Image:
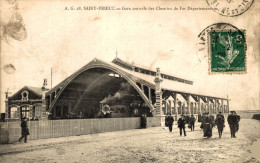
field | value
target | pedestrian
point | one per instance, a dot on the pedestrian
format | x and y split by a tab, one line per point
202	119
181	125
220	122
199	117
233	121
167	120
212	118
143	121
25	130
192	122
187	118
207	126
170	122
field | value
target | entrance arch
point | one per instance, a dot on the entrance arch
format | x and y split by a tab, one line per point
86	81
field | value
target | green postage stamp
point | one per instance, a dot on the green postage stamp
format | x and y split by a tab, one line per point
227	52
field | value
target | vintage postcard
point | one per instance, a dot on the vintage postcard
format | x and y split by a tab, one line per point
130	81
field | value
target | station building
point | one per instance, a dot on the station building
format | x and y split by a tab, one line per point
117	89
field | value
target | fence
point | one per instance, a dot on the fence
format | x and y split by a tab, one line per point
43	129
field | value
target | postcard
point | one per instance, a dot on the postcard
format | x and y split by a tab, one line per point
102	81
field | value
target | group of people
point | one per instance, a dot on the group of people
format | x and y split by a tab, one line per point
181	122
207	123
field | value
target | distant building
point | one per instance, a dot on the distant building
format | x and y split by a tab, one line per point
125	88
26	102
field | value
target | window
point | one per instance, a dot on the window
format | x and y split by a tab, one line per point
25	95
13	112
25	112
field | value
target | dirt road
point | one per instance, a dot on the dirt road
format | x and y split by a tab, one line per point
141	145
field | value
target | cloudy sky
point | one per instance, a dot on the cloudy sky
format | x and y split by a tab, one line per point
65	40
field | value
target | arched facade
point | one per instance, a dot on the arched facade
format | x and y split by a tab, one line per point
117	87
83	85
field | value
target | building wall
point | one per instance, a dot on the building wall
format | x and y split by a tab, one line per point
43	129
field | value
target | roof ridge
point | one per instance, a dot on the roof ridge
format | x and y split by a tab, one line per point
35	91
27	87
178	78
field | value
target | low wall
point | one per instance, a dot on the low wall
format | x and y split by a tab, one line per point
247	114
43	129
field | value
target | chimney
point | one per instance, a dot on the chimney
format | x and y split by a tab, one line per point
6	105
44	90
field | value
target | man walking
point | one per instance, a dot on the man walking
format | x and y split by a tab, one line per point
187	118
181	125
25	130
192	122
212	118
167	120
170	122
207	126
233	120
143	121
220	122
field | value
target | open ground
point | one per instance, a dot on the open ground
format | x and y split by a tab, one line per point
154	144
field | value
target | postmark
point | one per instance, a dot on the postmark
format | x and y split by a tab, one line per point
227	51
202	40
203	45
230	8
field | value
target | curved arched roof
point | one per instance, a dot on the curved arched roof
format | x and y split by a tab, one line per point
132	77
100	64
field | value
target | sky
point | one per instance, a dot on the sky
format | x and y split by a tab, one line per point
51	37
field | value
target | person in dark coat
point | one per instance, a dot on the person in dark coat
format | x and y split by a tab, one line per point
202	120
192	122
170	122
199	117
207	126
233	120
181	125
220	122
167	120
143	121
187	118
212	119
25	130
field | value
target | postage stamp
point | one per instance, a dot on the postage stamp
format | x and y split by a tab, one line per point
230	8
227	51
202	42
